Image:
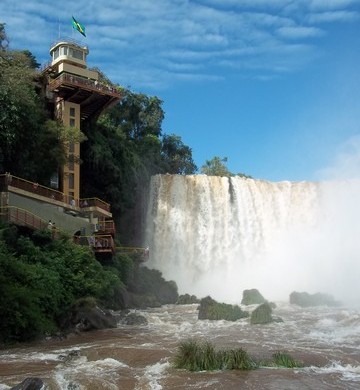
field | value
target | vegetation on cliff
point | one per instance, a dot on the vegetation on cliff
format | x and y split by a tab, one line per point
43	279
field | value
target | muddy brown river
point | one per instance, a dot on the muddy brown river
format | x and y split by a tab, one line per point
327	340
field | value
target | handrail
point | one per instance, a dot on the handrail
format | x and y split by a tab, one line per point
38	189
20	216
101	242
94	85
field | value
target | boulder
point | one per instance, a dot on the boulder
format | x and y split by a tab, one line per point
87	315
94	318
305	299
262	314
252	297
29	384
209	309
187	299
134	319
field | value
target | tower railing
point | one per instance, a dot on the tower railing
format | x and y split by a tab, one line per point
77	81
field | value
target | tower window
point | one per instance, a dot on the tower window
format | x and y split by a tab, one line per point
71	163
63	51
72	111
76	54
71	147
56	53
72	122
71	181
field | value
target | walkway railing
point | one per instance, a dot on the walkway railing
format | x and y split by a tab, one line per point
37	189
18	216
82	82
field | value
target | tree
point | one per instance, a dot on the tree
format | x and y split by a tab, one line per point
176	156
30	144
4	41
216	167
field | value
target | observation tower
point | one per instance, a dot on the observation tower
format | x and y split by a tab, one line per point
77	95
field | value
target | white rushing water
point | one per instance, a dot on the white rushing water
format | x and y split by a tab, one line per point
218	236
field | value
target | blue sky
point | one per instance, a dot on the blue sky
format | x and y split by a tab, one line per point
273	85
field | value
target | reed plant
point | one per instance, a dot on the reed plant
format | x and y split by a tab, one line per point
195	356
236	359
283	359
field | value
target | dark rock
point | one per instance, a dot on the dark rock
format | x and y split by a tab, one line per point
29	384
187	299
87	315
209	309
134	319
94	319
70	356
305	299
262	314
252	297
143	301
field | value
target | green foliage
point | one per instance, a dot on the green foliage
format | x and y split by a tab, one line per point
217	167
151	283
280	359
126	147
4	40
29	142
177	157
283	359
236	359
195	356
41	278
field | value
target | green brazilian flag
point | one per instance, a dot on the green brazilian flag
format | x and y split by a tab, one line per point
78	26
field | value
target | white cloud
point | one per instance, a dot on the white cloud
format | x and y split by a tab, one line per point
181	35
299	32
333	16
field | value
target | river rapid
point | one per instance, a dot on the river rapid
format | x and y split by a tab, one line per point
326	340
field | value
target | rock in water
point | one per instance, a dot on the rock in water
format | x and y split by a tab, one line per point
252	297
305	299
29	384
262	314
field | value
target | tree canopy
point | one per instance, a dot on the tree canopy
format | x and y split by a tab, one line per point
29	140
217	167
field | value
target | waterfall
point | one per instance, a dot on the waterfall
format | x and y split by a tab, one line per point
218	236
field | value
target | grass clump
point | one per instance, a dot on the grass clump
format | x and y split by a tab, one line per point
195	356
283	359
236	359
